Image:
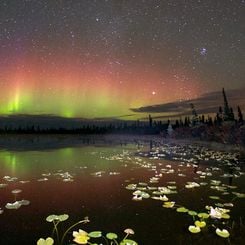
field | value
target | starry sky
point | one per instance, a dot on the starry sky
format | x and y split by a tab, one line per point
102	58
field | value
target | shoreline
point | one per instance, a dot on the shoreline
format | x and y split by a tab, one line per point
49	141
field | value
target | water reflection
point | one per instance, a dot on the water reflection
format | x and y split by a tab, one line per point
90	179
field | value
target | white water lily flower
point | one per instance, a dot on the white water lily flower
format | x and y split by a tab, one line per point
218	212
137	198
163	198
215	213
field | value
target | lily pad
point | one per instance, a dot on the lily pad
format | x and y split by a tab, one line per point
194	229
145	195
111	236
131	187
51	218
182	210
225	216
222	233
54	217
63	217
95	234
168	204
220	205
239	195
128	242
203	215
200	224
24	202
143	184
14	205
214	197
48	241
3	185
192	213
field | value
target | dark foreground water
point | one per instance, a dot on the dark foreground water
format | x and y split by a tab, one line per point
100	180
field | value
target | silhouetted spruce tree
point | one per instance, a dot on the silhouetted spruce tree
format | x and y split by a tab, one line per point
232	114
218	119
203	119
177	123
181	122
150	121
220	113
210	121
240	116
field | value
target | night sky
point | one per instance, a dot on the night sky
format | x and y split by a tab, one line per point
99	58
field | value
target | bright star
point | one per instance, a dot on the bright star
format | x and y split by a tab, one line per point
203	51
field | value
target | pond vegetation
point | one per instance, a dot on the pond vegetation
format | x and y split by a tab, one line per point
131	185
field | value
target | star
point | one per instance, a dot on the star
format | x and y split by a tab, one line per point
203	51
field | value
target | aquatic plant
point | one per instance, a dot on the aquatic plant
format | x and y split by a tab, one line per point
217	215
47	241
82	236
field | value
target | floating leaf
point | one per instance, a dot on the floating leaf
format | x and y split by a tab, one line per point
137	193
24	202
54	217
95	234
200	224
157	193
182	210
128	242
228	204
168	204
194	229
131	186
111	236
192	213
47	241
215	182
145	195
63	217
151	188
143	184
223	233
239	195
203	215
14	205
3	185
214	197
225	216
219	205
51	218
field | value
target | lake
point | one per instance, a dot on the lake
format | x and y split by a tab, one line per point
156	189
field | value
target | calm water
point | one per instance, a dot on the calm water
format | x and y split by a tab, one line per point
91	180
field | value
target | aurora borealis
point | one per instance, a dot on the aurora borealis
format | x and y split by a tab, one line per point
99	58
